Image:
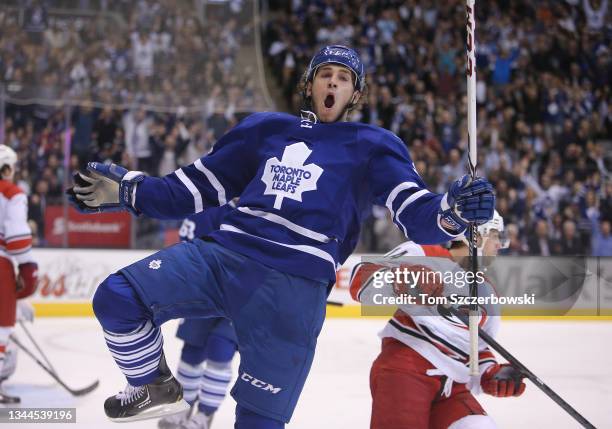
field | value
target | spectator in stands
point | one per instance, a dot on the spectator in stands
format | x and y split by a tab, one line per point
539	242
570	242
137	126
83	119
543	96
601	239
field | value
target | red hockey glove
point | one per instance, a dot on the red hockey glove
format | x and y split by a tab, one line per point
27	279
502	381
428	283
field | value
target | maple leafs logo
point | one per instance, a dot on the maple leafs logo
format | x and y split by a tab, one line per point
289	177
155	264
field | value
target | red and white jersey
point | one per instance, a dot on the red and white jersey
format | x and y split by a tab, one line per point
442	339
15	233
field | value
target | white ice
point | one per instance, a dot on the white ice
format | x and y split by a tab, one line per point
573	358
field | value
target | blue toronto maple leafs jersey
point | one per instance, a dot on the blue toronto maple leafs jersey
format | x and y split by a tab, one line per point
304	189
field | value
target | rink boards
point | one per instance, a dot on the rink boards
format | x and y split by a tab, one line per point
69	278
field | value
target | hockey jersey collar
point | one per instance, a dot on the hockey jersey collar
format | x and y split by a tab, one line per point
309	116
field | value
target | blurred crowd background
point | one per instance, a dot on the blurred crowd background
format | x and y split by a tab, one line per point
152	84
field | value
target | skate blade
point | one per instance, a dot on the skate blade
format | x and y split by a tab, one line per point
155	412
7	400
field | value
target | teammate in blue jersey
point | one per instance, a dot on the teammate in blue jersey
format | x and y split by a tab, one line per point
209	344
305	184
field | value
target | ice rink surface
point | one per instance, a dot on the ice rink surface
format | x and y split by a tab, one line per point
573	358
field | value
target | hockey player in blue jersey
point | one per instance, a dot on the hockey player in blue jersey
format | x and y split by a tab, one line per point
209	344
305	185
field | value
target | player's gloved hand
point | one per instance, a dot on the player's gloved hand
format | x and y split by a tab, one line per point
502	381
27	279
467	201
105	188
25	311
426	285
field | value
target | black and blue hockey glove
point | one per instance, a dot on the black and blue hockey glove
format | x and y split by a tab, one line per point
465	202
104	188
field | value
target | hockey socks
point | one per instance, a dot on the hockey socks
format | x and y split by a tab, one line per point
217	373
137	353
215	382
209	382
189	376
134	342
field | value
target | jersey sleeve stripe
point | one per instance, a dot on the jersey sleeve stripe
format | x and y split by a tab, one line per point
19	251
213	181
412	198
19	246
395	192
18	237
302	248
442	341
287	224
197	197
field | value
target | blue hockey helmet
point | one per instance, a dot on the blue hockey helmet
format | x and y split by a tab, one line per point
338	54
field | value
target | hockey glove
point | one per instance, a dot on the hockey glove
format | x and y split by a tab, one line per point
426	284
106	188
27	279
467	201
502	381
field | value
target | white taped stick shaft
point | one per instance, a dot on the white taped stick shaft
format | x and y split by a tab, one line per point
473	329
472	160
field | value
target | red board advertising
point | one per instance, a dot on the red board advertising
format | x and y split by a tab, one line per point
87	230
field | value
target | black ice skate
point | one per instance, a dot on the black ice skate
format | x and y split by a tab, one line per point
162	397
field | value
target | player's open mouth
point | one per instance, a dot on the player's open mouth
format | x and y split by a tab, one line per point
329	101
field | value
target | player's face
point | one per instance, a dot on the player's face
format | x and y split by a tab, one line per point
492	244
7	173
332	89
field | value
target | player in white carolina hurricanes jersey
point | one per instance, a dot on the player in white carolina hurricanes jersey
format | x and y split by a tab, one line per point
15	245
420	379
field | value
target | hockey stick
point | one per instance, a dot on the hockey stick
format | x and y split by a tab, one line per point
522	368
44	356
470	72
74	392
335	303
